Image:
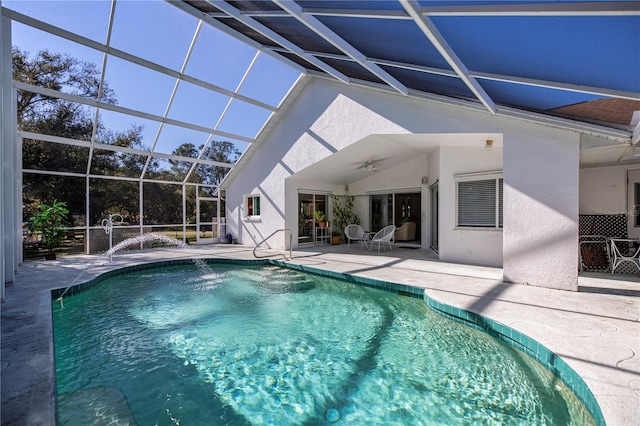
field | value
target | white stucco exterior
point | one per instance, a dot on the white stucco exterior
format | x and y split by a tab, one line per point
541	208
603	190
327	129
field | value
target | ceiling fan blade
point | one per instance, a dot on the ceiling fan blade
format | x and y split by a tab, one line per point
379	160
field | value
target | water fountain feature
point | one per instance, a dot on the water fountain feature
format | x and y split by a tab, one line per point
139	240
107	225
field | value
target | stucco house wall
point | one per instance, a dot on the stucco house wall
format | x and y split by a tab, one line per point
540	238
467	245
540	164
603	190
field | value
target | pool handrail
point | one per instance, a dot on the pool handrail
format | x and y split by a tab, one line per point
271	235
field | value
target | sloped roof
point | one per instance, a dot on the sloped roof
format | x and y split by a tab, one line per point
533	55
617	111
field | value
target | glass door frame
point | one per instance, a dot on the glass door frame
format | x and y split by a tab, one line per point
388	207
306	216
434	220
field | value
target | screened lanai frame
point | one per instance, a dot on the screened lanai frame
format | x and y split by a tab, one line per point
320	38
410	46
206	195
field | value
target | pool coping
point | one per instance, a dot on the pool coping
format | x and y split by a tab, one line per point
547	358
596	330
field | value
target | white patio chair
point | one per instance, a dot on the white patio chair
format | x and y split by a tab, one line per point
617	257
383	236
355	233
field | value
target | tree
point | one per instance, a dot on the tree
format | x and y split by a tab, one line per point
47	115
58	72
220	151
43	114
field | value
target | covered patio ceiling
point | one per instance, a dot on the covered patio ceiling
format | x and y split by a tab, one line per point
536	56
383	153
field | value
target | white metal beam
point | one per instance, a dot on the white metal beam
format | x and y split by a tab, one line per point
211	19
107	177
579	88
116	148
173	95
272	35
43	26
330	36
622	94
92	102
429	29
9	190
635	125
603	8
105	58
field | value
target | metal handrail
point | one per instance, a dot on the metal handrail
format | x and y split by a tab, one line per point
272	234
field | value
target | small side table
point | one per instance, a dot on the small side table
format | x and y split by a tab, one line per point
323	235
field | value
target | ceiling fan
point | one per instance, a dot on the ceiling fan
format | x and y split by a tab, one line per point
370	165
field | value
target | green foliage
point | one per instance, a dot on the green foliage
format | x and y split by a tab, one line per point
49	220
320	216
220	151
58	72
343	215
58	117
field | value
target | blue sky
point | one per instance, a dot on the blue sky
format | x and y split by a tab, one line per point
159	32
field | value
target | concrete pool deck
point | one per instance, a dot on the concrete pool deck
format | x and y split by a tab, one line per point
596	330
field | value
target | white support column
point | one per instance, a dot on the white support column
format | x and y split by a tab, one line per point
541	189
184	213
11	235
87	231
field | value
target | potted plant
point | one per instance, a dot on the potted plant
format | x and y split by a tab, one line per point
321	218
343	215
335	237
48	221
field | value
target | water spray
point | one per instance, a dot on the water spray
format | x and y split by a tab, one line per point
107	224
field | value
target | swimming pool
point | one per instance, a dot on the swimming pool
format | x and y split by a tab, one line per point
237	344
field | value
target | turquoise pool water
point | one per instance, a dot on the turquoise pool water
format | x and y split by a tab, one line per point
238	345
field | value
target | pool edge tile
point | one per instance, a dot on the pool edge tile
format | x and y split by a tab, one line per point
551	361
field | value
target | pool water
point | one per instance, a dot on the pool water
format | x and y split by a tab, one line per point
238	345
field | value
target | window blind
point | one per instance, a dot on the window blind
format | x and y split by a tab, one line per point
500	192
477	203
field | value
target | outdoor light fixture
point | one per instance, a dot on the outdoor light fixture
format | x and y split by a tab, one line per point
369	167
488	145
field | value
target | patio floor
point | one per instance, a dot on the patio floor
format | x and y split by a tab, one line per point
595	330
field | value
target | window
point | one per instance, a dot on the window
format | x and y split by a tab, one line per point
479	201
252	205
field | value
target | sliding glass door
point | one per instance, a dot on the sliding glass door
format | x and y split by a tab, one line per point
308	205
397	209
434	217
381	211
